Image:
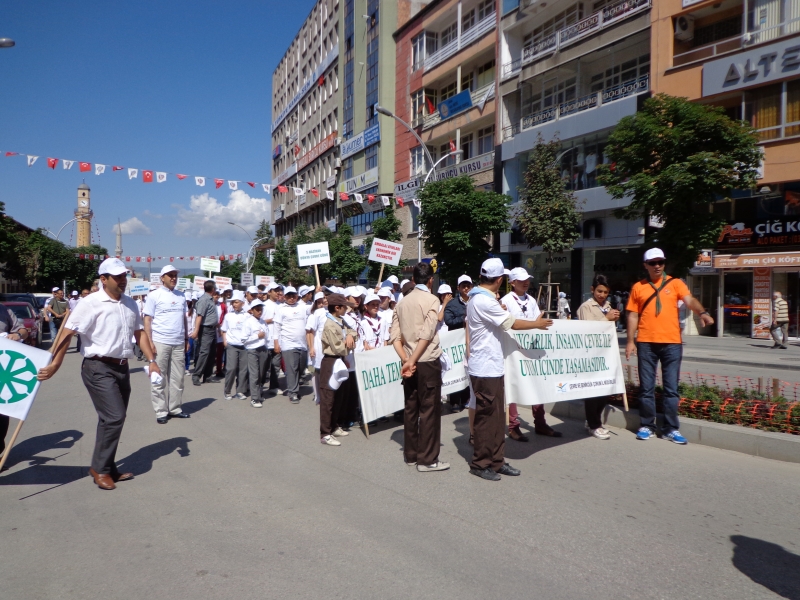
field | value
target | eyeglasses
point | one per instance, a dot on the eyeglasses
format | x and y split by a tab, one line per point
656	263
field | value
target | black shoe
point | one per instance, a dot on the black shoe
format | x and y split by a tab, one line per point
295	399
180	415
196	382
784	348
507	469
487	474
162	420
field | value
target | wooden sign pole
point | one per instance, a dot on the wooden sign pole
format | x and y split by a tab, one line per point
380	275
316	272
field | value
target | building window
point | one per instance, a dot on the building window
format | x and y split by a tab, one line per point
563	19
445	150
485	9
417	161
423	102
349	28
361	223
347	168
414	211
448	91
448	34
467	21
371	157
467	147
721	30
418	52
486	74
467	81
486	140
372	62
619	74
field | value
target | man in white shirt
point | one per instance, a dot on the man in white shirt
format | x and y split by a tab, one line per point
268	316
289	334
108	321
487	322
523	306
235	353
165	324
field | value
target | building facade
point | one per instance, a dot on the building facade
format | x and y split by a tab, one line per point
572	70
305	122
743	55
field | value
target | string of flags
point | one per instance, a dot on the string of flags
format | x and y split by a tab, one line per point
147	259
150	176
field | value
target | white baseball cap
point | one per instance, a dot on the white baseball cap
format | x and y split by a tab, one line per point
304	289
319	296
393	279
252	290
362	291
238	295
273	286
654	253
351	292
385	292
372	297
255	303
493	267
74	292
518	274
402	283
55	289
168	269
444	289
289	290
464	278
110	266
339	374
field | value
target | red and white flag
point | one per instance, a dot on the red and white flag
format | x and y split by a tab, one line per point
12	153
171	259
315	192
329	194
252	184
52	162
191	258
219	182
283	189
385	200
400	202
114	169
31	160
266	187
452	146
359	198
230	256
234	185
84	166
370	198
133	173
181	177
147	176
416	202
138	259
161	177
67	164
99	169
343	197
201	181
299	191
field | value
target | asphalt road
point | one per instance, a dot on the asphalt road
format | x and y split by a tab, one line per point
242	503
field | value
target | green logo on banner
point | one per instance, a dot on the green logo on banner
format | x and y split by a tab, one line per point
19	373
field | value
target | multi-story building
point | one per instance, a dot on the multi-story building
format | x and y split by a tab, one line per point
445	74
572	69
743	55
305	122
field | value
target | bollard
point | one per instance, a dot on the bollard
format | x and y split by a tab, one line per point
760	385
776	388
630	373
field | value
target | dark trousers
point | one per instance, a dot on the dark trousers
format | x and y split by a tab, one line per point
670	355
274	366
294	363
489	441
594	411
422	418
352	406
331	401
220	359
109	387
236	360
460	398
4	420
206	350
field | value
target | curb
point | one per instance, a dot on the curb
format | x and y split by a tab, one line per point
766	444
736	363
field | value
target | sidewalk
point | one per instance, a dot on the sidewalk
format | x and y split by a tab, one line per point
736	351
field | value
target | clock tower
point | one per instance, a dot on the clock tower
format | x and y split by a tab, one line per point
84	215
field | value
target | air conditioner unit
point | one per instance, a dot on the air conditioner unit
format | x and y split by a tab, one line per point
338	163
684	28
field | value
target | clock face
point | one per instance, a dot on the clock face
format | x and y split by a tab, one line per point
84	203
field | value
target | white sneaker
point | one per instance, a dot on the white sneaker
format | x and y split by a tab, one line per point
600	433
329	440
437	466
228	397
256	403
240	397
340	432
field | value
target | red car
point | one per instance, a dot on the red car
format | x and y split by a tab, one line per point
30	320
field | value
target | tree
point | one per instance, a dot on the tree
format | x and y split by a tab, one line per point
346	262
261	264
457	220
672	160
385	228
232	269
84	272
548	214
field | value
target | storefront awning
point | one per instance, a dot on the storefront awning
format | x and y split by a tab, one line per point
763	259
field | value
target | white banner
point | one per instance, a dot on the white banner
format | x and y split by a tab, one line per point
379	383
264	280
246	279
19	364
570	361
199	282
223	283
210	264
317	253
184	283
383	251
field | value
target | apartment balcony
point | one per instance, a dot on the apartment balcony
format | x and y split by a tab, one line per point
482	94
471	35
584	103
607	17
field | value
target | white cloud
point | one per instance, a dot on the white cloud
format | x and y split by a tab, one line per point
132	226
147	213
206	217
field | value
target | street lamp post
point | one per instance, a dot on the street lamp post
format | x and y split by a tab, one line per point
242	228
251	254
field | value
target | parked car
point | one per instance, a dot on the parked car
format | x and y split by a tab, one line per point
22	297
31	319
41	298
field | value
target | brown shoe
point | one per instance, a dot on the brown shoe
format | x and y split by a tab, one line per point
547	430
117	477
471	440
516	434
104	482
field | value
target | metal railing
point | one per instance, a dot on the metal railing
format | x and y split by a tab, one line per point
474	33
477	96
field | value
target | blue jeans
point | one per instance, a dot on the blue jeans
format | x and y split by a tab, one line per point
53	330
670	356
190	353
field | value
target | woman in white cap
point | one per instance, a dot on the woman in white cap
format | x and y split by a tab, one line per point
254	334
314	326
445	294
232	330
372	330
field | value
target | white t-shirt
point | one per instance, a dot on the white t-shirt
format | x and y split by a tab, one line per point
521	308
168	311
487	322
250	330
268	314
315	324
289	328
233	327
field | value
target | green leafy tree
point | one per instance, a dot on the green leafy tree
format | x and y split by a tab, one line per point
548	214
83	272
672	160
346	262
261	264
281	260
457	220
385	228
232	269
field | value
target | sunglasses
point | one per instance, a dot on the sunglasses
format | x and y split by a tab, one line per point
656	263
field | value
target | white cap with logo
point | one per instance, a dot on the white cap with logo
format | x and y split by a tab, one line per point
518	274
493	267
464	278
653	254
111	266
168	269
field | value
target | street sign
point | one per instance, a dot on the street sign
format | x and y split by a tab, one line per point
223	283
210	264
184	283
313	254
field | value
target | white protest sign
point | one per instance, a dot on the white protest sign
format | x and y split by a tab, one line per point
386	252
210	264
246	279
137	287
198	284
379	381
264	280
184	283
313	254
19	364
155	280
569	361
223	283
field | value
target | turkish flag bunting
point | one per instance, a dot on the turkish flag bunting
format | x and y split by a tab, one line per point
400	202
81	256
181	177
329	194
296	149
85	166
219	182
221	257
234	185
127	259
370	198
343	197
149	259
315	192
191	258
117	168
147	176
12	153
252	184
266	187
138	259
171	259
52	162
283	189
385	200
230	256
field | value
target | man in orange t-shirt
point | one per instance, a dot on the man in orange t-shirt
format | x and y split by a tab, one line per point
653	313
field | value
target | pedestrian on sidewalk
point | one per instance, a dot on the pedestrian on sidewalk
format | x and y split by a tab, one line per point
165	324
205	335
108	321
233	337
416	342
597	308
56	309
254	333
780	321
290	340
487	322
654	334
524	307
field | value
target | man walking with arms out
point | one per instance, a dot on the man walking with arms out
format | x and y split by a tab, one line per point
653	314
416	342
165	324
108	321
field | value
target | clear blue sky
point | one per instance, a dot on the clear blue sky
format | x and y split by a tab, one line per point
174	86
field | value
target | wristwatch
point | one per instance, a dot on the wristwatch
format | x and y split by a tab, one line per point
705	312
152	361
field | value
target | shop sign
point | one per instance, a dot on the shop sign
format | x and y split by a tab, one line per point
704	265
762	303
317	150
365	139
276	153
407	190
756	67
287	172
359	182
455	105
330	182
783	231
467	167
781	259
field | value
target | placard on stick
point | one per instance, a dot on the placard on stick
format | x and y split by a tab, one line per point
385	252
212	265
317	253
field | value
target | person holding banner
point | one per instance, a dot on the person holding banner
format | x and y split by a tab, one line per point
108	321
487	322
655	334
523	306
416	342
12	329
597	308
290	340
